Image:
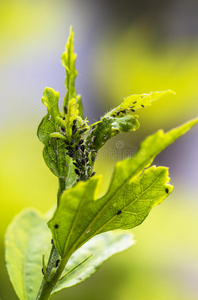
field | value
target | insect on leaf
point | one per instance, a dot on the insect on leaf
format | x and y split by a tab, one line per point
131	196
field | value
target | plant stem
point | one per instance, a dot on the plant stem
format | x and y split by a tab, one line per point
53	272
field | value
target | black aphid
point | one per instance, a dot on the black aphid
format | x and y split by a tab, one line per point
82	147
134	102
52	242
68	148
73	142
78	161
74	130
63	118
57	263
77	172
56	226
83	162
142	105
74	122
133	110
81	142
93	158
70	154
123	111
119	212
77	146
65	109
167	190
62	129
75	164
93	174
82	131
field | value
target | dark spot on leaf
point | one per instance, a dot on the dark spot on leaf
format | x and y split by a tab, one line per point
56	226
167	190
57	263
119	212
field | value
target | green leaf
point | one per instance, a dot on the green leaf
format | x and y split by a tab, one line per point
26	239
128	201
86	260
135	102
110	127
68	60
121	118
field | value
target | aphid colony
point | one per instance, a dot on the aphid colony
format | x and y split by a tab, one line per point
83	155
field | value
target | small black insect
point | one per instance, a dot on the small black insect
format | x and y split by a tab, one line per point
93	158
166	190
65	109
74	122
134	102
52	242
63	118
57	263
77	146
78	161
62	129
142	105
73	142
123	111
74	130
133	110
77	172
68	148
83	162
75	164
81	142
82	147
119	212
70	154
82	131
93	174
56	226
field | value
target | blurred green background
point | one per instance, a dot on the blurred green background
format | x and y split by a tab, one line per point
124	47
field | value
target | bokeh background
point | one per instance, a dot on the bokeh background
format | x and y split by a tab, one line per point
124	47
